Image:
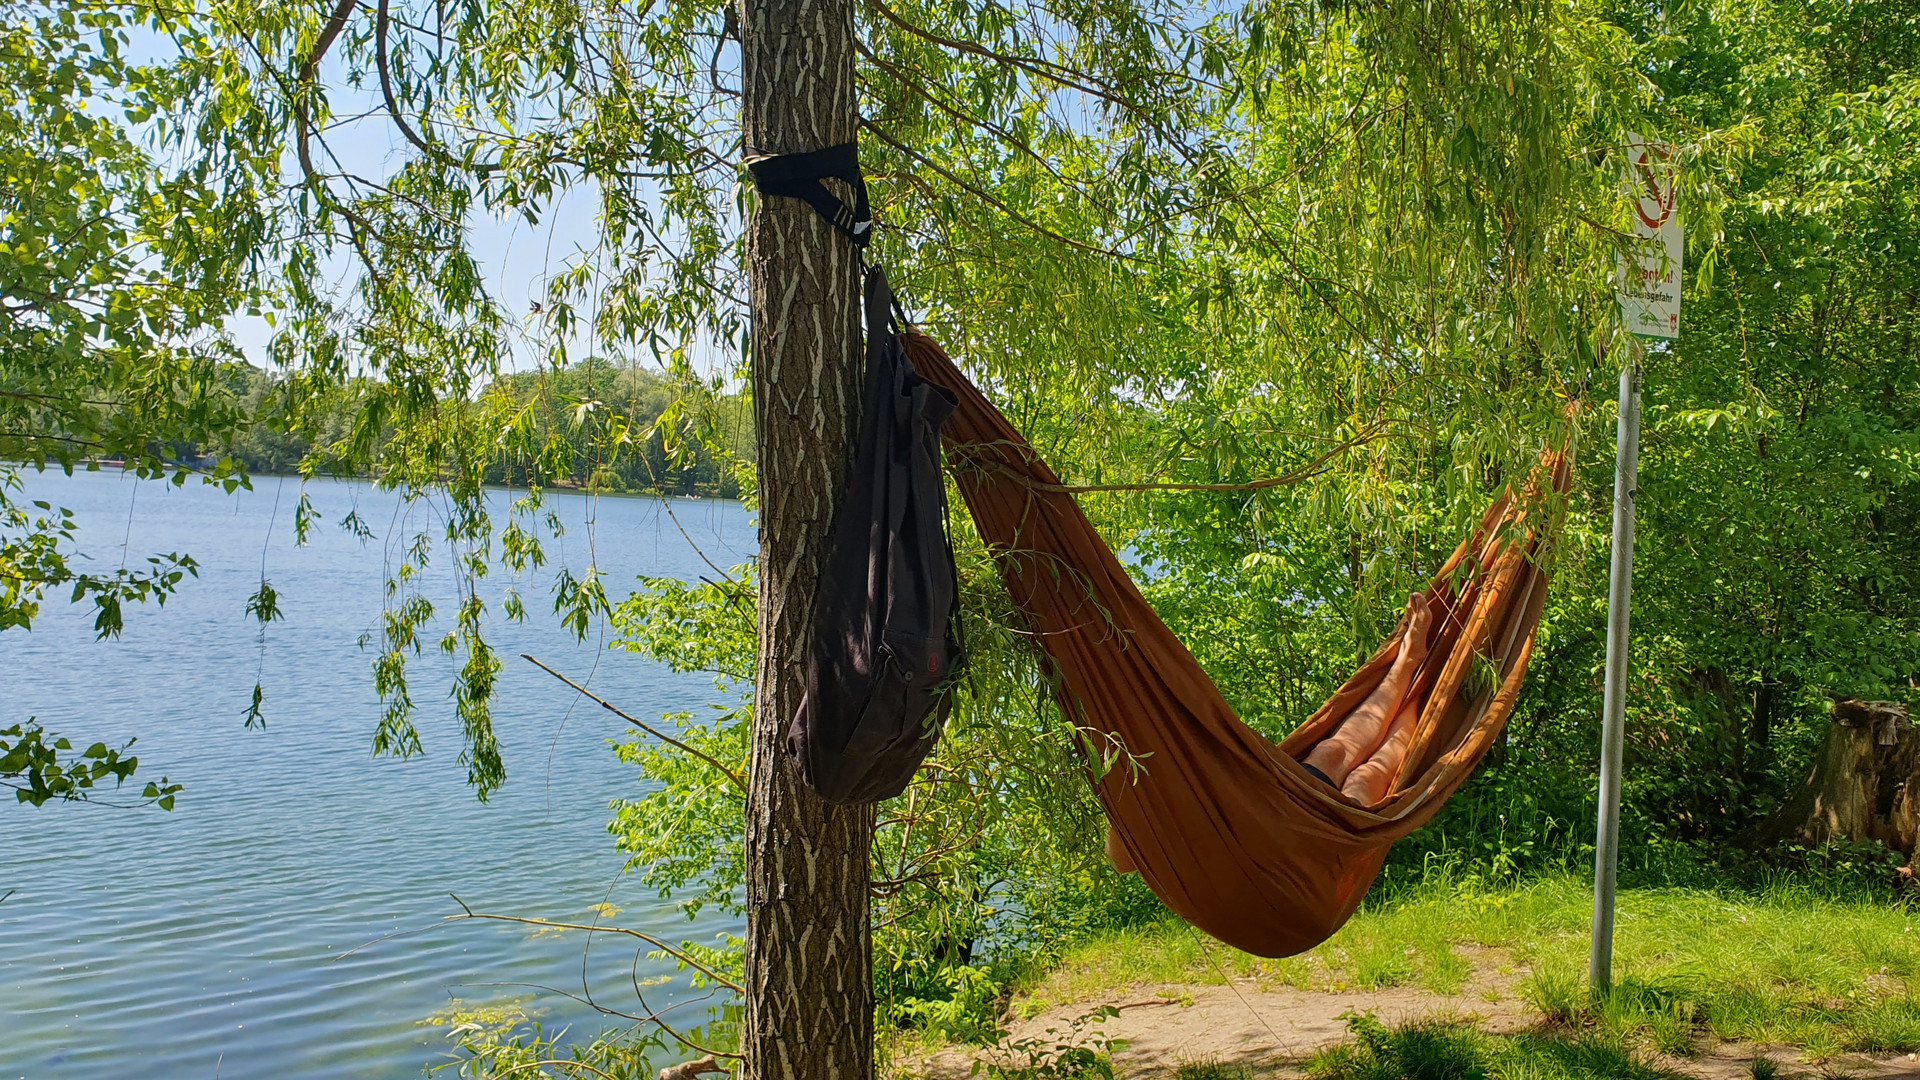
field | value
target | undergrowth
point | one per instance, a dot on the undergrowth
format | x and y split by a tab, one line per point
1442	1050
1790	963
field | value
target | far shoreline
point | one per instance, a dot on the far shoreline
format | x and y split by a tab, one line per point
111	465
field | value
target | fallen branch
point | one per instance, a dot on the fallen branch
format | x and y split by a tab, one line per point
687	1070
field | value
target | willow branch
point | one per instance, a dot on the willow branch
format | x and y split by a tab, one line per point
43	437
556	1061
386	87
656	733
1306	472
1054	73
905	78
303	136
303	82
997	204
881	890
677	954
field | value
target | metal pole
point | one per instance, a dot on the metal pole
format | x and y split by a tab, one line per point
1606	854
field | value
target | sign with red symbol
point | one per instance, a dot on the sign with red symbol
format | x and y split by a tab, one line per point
1649	280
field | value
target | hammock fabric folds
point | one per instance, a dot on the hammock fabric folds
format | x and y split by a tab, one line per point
1224	825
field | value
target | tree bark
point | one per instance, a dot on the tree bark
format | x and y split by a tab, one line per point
1759	748
809	968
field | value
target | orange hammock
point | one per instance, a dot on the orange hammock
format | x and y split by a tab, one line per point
1225	826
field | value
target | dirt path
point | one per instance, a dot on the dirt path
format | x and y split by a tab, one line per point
1272	1031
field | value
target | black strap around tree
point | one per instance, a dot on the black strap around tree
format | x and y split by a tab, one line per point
799	176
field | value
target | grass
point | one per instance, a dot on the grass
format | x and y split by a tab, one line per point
1783	967
1211	1070
1435	1050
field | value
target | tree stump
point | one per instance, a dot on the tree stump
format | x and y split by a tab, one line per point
1865	784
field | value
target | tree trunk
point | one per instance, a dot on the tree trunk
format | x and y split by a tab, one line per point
1759	749
1865	784
809	968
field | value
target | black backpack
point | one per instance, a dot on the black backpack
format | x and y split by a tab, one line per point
886	634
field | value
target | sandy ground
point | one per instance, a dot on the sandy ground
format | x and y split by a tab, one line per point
1273	1030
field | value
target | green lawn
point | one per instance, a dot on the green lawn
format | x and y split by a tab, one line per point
1438	1051
1784	968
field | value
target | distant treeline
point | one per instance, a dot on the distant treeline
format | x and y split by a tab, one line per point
597	424
609	419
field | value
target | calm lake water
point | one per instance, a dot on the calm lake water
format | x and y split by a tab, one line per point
208	940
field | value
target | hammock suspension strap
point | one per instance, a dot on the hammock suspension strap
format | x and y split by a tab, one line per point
799	176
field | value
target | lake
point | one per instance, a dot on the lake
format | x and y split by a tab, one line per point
240	934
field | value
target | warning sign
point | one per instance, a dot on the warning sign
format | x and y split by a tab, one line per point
1649	280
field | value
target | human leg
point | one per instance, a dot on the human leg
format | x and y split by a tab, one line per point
1367	783
1361	734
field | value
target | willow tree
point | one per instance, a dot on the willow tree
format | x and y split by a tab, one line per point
1179	243
479	110
808	958
119	264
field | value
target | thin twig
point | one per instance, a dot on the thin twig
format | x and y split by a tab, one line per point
983	196
675	518
656	733
555	1061
1311	469
608	1010
678	954
1070	78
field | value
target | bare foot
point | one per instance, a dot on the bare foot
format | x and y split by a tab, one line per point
1413	647
1117	852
